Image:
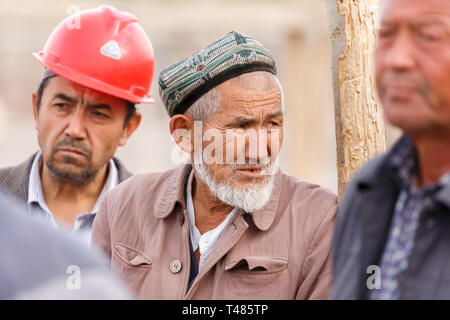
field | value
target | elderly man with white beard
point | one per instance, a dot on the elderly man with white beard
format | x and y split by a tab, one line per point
230	224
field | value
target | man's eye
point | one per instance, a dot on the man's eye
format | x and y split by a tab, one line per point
99	114
61	105
237	126
431	36
428	37
385	33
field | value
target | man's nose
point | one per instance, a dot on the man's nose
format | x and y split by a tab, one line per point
76	125
401	54
256	144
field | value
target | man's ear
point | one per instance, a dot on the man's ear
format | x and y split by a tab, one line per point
35	109
181	129
131	127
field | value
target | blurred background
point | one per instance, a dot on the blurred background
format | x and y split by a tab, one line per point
295	31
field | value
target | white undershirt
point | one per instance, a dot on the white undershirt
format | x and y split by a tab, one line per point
208	240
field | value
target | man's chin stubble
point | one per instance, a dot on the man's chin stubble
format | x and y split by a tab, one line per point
79	179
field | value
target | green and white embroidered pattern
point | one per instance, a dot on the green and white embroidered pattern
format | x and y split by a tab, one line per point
229	56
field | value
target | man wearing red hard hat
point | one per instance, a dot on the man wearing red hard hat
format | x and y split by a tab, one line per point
95	73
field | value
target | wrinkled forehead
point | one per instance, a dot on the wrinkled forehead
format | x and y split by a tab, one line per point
395	10
249	93
249	86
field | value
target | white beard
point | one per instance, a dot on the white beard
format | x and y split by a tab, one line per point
249	199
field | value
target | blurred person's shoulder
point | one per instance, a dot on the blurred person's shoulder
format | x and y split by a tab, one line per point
40	262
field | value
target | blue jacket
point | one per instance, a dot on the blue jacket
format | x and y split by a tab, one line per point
362	228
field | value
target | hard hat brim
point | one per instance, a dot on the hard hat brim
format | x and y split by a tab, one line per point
90	82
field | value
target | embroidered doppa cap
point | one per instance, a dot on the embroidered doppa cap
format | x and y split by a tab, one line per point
182	83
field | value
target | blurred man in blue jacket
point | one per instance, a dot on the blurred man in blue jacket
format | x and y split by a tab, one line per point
392	236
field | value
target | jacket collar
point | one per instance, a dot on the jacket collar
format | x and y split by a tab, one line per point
14	180
264	217
172	193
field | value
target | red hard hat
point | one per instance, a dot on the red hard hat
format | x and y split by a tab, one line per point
102	49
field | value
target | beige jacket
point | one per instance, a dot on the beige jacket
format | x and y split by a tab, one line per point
279	252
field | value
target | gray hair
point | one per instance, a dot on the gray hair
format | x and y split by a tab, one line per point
205	106
209	103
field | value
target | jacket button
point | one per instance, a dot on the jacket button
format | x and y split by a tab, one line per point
175	266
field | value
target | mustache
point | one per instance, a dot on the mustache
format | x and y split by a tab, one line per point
267	165
73	143
251	162
406	79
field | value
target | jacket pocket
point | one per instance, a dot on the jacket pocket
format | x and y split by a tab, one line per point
257	277
130	256
132	265
257	264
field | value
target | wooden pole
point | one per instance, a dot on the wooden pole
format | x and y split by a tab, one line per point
360	128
